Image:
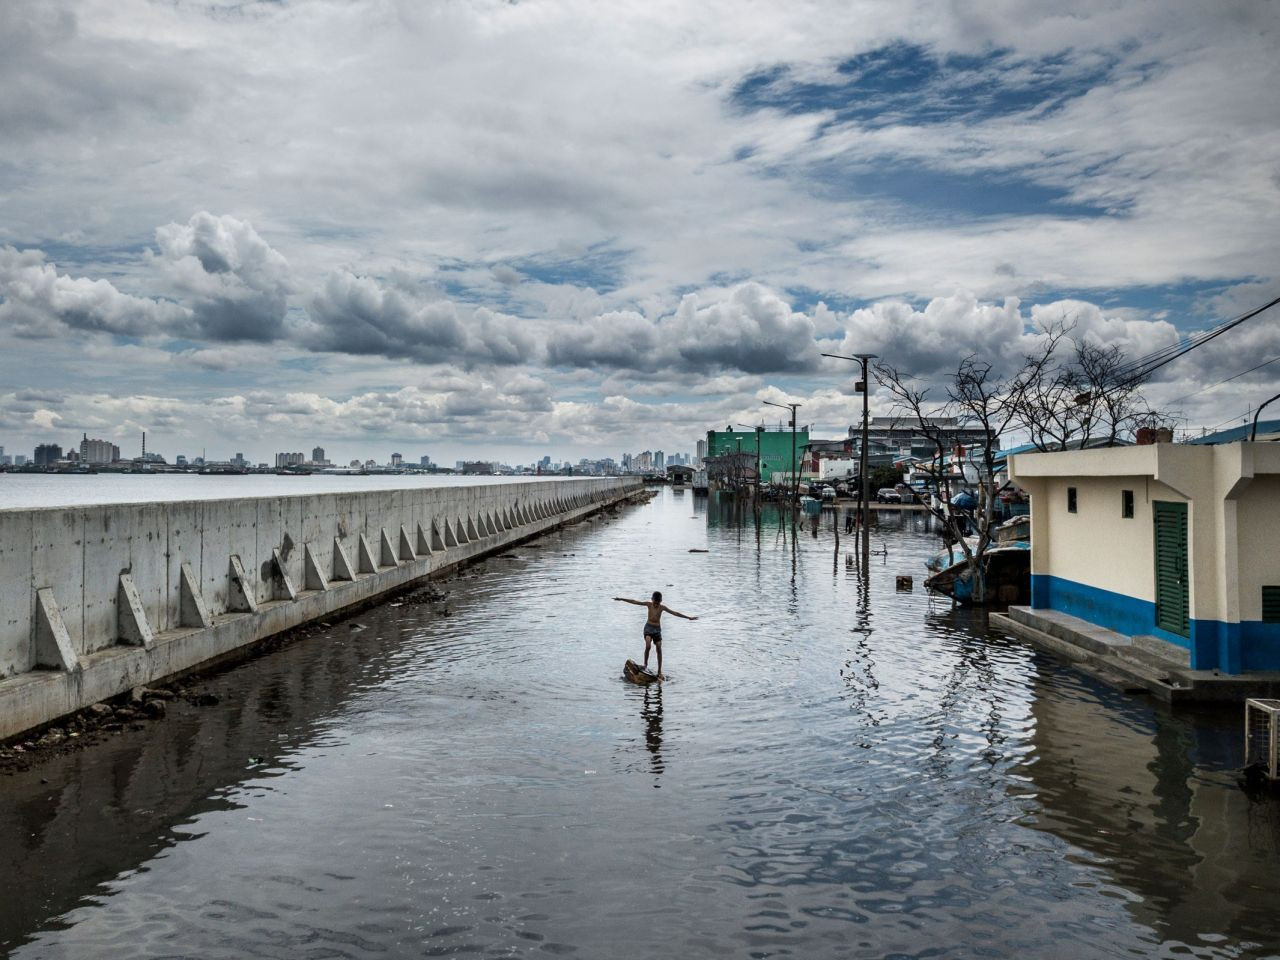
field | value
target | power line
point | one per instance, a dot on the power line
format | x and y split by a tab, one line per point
1221	382
1143	367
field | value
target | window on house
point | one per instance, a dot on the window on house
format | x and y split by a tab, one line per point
1071	499
1271	604
1126	504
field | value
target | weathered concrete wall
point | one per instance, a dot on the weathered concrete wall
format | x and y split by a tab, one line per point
96	600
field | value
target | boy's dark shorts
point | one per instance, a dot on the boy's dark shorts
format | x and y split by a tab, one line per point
653	633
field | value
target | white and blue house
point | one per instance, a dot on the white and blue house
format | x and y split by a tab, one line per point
1176	541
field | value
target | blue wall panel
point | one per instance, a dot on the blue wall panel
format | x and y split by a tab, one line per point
1214	644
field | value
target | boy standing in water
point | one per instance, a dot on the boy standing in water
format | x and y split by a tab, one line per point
653	624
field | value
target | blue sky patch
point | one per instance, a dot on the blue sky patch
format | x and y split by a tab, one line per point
1185	305
946	195
905	83
601	269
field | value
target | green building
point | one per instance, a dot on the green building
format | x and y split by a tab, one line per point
775	449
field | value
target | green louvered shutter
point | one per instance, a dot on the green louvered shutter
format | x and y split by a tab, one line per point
1271	604
1172	588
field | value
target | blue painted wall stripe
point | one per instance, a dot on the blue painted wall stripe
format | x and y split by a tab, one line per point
1214	644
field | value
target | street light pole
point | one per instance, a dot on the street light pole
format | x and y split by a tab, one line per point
795	467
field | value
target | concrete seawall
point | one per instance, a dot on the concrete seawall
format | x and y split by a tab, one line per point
96	600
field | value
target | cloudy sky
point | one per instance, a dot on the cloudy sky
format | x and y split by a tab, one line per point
504	229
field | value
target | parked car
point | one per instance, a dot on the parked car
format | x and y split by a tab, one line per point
888	495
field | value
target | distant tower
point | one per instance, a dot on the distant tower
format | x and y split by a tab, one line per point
144	446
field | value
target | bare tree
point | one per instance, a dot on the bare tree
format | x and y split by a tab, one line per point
977	397
1059	400
1091	395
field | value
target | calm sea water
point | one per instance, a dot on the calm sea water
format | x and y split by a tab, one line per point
61	490
833	769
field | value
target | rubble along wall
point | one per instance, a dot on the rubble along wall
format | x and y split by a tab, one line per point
96	600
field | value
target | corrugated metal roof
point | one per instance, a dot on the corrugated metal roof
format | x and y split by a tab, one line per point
1239	433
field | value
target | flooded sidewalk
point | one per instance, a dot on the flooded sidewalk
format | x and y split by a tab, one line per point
834	768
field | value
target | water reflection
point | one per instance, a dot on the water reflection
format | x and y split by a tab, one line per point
651	714
1151	796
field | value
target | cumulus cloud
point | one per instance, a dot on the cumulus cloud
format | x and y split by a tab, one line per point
237	284
37	301
753	330
619	338
930	341
750	329
362	315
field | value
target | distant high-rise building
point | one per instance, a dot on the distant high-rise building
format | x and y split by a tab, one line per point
19	460
98	451
546	460
424	461
239	460
397	460
180	460
317	455
659	460
702	449
289	459
48	454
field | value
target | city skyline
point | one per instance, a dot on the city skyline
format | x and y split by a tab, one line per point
282	458
93	451
495	229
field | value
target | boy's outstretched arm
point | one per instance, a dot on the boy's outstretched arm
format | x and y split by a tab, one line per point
638	603
677	613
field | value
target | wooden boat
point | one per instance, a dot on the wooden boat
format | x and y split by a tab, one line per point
638	674
1007	576
1013	529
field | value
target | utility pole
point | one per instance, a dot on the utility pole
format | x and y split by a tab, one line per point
759	437
795	467
865	506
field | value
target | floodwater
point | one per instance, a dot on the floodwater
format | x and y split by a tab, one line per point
27	490
832	769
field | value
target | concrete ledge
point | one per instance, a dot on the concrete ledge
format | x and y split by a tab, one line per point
1135	664
86	667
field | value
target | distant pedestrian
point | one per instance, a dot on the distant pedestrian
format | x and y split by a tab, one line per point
653	624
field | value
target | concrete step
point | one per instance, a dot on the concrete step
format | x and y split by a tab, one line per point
1070	629
1147	658
1163	649
1109	661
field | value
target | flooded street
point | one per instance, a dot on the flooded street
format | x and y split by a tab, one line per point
833	769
